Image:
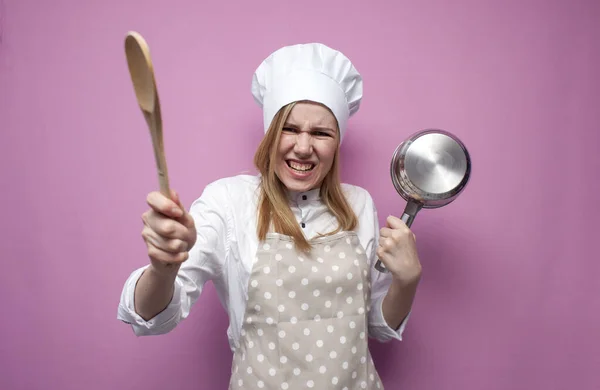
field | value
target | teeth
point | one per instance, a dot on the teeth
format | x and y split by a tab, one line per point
300	167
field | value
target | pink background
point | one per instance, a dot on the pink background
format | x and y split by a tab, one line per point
510	297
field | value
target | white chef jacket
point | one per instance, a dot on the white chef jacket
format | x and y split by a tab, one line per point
225	216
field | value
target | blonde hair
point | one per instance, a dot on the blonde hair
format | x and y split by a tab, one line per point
273	206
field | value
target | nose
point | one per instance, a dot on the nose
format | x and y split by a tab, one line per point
303	146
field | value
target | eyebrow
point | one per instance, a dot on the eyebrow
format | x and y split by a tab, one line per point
317	128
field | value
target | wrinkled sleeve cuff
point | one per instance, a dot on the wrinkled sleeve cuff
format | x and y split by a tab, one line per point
163	322
378	327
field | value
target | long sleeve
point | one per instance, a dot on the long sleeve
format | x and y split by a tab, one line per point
380	282
212	219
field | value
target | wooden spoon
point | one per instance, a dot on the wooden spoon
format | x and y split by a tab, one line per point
142	77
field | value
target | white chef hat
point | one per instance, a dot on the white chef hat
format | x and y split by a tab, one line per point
312	72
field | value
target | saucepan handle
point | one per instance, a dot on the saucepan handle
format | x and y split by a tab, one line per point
408	216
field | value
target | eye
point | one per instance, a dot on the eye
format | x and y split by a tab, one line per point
322	134
289	130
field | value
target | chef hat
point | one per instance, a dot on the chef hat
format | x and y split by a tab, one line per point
312	72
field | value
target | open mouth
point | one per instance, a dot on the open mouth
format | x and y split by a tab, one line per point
299	167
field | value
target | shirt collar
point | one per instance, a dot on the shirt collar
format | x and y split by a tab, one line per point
304	196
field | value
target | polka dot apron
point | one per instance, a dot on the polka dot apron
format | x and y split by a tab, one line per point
305	324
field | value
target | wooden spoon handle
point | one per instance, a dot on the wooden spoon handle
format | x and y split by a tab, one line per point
154	121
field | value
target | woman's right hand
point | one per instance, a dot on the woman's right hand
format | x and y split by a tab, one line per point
169	231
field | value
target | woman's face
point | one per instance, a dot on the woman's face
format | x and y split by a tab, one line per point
307	147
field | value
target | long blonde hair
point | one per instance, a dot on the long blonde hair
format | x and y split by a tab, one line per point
273	206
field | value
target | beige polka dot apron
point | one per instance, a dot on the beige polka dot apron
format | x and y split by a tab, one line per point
305	325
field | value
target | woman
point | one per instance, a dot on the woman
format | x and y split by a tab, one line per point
291	251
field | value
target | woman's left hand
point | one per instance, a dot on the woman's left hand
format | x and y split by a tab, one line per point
397	250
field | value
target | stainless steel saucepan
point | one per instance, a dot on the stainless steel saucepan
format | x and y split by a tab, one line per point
429	170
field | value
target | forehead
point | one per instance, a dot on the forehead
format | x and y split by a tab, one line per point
311	114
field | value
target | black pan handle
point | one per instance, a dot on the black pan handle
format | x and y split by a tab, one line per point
408	216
